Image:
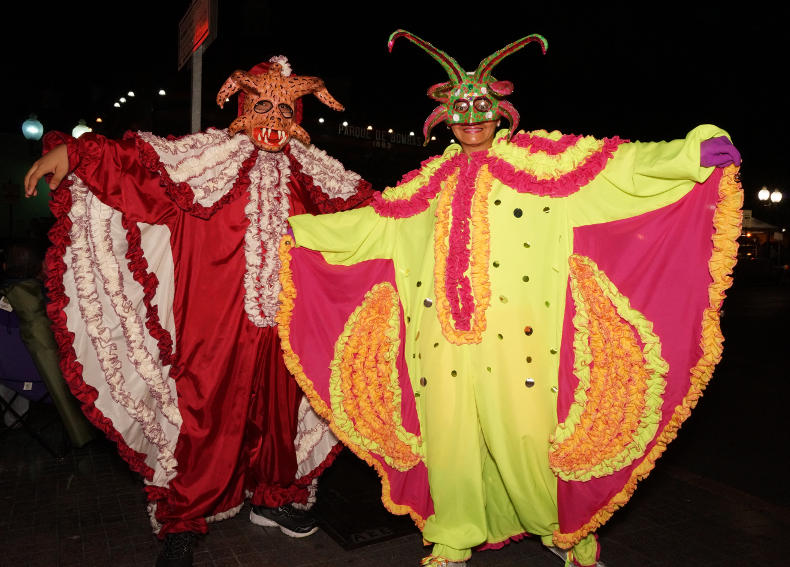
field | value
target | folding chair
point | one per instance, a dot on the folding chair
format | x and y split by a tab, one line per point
19	374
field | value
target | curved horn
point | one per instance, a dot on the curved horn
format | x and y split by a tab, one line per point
439	114
487	65
454	70
509	112
301	86
238	80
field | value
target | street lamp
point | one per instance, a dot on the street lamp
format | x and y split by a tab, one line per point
774	196
32	129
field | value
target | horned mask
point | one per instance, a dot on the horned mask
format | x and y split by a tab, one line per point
470	97
268	103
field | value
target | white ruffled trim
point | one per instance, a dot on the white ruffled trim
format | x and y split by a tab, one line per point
267	212
333	179
92	252
283	61
208	161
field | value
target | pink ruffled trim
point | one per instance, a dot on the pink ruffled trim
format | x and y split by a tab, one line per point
420	200
562	186
501	544
537	144
181	193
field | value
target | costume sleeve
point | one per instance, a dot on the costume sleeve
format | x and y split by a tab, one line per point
346	237
643	177
114	171
320	184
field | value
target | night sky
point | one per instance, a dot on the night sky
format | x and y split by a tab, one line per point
609	71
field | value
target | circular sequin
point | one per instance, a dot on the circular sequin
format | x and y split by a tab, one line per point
553	351
427	302
496	263
555	389
499	336
529	359
524	278
528	330
488	368
527	245
497	202
529	382
546	209
547	304
435	345
419	284
453	373
423	381
503	299
517	213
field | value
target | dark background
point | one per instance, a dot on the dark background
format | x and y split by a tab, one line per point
639	71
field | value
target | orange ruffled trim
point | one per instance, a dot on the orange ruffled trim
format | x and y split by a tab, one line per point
480	252
727	221
363	384
288	295
617	406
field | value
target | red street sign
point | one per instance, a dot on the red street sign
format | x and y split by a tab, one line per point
197	27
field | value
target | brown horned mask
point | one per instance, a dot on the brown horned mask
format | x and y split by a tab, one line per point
268	111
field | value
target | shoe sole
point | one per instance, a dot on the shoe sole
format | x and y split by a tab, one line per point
266	522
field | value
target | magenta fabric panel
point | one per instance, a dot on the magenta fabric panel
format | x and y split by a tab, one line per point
326	296
659	260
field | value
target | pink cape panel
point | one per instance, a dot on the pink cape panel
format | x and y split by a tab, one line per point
325	297
659	260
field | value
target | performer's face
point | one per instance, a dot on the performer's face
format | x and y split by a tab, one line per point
475	137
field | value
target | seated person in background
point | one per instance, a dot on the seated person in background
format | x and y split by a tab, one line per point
22	286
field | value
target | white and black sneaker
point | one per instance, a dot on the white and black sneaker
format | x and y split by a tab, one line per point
291	521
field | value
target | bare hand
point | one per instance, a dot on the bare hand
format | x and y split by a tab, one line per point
55	162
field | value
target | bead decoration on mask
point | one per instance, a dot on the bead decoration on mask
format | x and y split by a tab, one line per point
470	97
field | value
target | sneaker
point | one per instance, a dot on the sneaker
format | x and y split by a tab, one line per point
563	554
177	550
291	521
434	561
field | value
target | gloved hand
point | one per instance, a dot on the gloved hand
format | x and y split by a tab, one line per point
718	152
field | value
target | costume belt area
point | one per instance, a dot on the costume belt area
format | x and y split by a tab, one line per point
164	286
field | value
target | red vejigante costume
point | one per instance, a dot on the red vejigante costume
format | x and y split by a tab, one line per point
163	276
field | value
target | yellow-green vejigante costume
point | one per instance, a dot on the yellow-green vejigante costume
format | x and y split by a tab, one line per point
528	327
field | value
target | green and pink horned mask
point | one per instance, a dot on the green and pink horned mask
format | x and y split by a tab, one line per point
467	97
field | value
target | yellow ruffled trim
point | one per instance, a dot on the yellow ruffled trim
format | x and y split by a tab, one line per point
288	295
727	220
548	166
617	404
478	262
408	189
363	384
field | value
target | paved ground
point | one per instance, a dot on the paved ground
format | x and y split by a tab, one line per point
718	497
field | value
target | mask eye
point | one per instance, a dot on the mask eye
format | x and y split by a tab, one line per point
285	110
262	106
461	105
482	104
